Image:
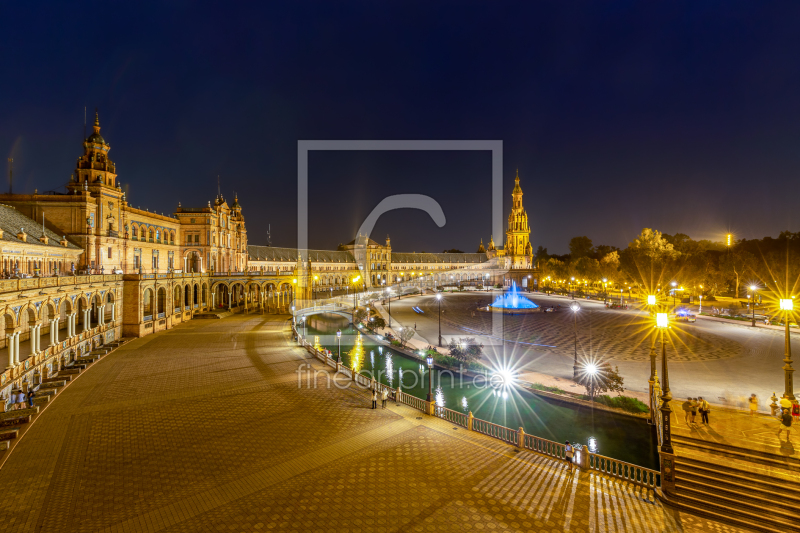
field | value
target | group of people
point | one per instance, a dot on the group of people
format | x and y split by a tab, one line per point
20	400
694	405
384	395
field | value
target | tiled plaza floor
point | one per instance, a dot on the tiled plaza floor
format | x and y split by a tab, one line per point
204	428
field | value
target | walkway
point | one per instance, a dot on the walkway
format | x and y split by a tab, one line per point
204	428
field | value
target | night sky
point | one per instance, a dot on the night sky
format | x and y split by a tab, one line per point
683	116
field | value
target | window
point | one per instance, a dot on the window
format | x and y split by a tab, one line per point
135	232
158	235
109	252
197	238
155	259
188	239
191	221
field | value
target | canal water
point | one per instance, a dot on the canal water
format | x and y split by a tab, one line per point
621	437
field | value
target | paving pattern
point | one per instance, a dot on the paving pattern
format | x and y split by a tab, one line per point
619	335
204	428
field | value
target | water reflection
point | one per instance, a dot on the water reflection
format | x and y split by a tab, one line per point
592	445
464	404
389	369
439	397
372	360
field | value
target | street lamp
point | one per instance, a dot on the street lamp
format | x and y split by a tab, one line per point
439	299
304	327
604	289
753	303
591	369
572	289
662	323
339	343
430	378
674	284
651	300
575	306
787	305
314	288
389	293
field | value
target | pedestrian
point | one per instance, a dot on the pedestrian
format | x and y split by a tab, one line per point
785	423
384	396
30	398
753	401
694	405
568	453
20	400
374	399
687	410
796	411
704	409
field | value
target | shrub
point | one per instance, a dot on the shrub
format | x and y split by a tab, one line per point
539	386
395	342
626	403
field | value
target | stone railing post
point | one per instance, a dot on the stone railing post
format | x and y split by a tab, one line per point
521	438
469	421
431	408
398	396
667	472
583	464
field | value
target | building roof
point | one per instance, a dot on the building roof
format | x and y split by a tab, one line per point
363	241
272	253
402	257
11	221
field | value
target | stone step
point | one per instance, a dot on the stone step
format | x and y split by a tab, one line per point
40	400
9	433
778	513
69	372
720	513
702	470
4	445
755	500
46	392
10	422
734	452
19	412
87	359
53	384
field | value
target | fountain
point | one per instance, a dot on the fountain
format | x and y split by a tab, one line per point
512	303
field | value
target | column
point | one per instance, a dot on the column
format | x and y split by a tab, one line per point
34	333
16	347
113	312
10	346
101	315
88	319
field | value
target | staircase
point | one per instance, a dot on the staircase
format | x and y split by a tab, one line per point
753	489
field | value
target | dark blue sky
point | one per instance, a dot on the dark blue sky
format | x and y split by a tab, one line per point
683	116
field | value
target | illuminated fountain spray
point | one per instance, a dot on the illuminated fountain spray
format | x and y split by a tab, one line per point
512	302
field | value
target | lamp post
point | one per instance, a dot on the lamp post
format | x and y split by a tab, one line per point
389	293
604	289
753	303
662	323
314	288
674	284
571	288
304	327
439	298
430	378
787	305
651	301
339	343
575	306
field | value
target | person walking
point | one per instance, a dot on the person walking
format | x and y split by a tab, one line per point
753	402
569	452
374	399
30	398
796	411
785	423
694	405
687	410
384	396
20	400
704	409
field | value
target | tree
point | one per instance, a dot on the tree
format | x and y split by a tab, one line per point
650	250
378	322
465	349
605	379
360	315
405	335
609	266
540	256
736	264
580	247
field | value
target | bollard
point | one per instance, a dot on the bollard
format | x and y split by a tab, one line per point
583	457
774	405
398	396
521	438
469	421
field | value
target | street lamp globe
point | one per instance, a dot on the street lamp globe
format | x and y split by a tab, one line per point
338	334
753	288
662	320
674	283
651	299
575	306
591	369
439	296
430	361
787	304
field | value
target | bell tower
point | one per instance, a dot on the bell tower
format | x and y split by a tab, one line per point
518	234
94	171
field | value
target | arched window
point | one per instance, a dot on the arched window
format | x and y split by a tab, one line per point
148	302
158	235
151	235
135	232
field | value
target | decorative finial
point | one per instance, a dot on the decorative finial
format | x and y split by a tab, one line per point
96	118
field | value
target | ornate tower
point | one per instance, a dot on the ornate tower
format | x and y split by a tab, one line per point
94	171
518	244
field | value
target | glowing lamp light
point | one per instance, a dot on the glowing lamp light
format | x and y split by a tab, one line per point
651	299
430	361
439	296
575	307
662	320
787	304
591	368
729	238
